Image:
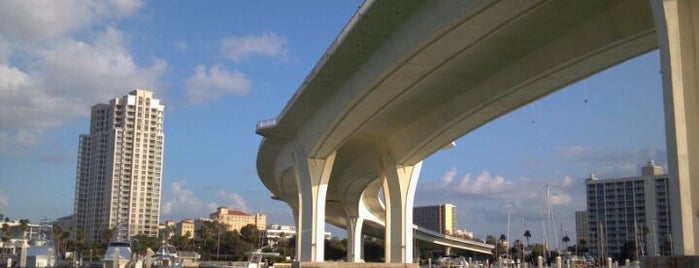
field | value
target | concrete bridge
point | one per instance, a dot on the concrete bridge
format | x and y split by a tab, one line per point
406	78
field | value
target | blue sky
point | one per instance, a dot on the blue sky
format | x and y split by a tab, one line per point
221	66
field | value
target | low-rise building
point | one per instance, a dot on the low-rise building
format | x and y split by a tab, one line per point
185	228
236	220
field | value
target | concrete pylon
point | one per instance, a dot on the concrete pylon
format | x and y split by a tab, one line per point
399	184
676	25
354	238
312	176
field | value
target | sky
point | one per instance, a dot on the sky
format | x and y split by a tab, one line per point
219	67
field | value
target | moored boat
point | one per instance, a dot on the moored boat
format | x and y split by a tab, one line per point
118	255
166	257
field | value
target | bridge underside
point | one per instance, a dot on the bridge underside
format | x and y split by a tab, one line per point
406	78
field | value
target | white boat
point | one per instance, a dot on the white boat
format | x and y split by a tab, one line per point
118	255
258	259
452	261
166	257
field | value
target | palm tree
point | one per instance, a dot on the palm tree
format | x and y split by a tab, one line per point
24	226
565	240
527	235
5	233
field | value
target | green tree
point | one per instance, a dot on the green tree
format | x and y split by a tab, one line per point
80	241
56	232
566	240
582	243
141	243
250	234
335	249
179	241
24	226
537	250
527	235
107	235
5	233
489	239
373	250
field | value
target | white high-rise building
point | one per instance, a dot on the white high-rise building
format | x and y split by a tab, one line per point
623	212
119	169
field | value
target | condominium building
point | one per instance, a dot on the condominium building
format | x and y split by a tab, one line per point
627	211
440	218
119	169
236	220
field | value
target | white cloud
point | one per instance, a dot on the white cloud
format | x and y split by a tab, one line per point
98	71
208	85
37	21
238	49
181	200
63	80
484	184
235	201
448	178
558	198
567	181
4	201
495	187
610	163
572	151
48	77
182	46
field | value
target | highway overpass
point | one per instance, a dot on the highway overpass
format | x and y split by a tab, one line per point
406	78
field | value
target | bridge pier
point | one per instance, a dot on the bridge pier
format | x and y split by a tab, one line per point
399	184
354	238
677	26
312	176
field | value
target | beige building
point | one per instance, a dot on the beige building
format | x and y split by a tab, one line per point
440	218
119	169
235	220
185	228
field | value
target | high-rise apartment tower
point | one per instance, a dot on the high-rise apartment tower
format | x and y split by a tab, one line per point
439	218
629	214
119	169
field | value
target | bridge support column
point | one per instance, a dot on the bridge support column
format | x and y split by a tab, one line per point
312	177
399	184
354	239
677	26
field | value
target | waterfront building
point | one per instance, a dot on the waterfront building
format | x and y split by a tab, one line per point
119	168
627	211
439	218
185	228
236	220
275	232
